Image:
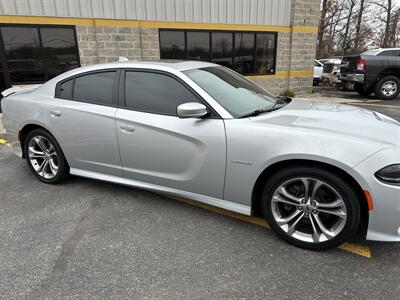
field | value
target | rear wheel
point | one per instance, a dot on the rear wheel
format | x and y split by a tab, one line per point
310	207
349	86
387	88
44	157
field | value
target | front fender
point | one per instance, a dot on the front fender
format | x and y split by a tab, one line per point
251	150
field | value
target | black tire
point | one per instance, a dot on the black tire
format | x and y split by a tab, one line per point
348	195
63	168
359	88
381	83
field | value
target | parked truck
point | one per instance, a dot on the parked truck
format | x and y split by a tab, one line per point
375	71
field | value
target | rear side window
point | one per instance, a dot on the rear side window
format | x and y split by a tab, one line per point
66	89
96	88
155	93
390	53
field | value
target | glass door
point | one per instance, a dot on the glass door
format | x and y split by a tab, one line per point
4	75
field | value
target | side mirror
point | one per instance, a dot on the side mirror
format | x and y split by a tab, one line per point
191	110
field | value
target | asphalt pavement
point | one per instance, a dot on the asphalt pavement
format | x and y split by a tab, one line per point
86	239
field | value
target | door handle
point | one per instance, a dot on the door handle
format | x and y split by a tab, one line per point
127	128
55	113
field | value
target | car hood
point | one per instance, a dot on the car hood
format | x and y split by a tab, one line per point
336	119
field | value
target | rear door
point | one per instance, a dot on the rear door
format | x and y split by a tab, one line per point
83	120
157	146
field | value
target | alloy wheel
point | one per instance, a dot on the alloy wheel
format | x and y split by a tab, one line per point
43	157
389	88
309	210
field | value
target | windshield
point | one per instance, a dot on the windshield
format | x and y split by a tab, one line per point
235	93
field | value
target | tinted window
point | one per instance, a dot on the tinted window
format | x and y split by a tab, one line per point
172	44
247	53
198	45
155	93
59	50
37	53
66	89
23	54
389	53
244	53
265	53
222	46
96	88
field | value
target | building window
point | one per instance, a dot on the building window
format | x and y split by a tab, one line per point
248	53
34	54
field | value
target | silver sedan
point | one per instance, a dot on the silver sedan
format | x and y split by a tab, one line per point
319	172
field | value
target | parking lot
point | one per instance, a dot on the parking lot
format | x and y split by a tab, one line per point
89	239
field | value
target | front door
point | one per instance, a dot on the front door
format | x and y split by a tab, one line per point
158	147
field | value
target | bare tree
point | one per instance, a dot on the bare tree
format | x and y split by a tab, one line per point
387	10
350	4
322	26
357	38
353	26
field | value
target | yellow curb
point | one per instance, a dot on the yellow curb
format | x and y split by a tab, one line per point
356	249
352	248
372	104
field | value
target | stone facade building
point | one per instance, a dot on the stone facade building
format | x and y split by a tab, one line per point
272	42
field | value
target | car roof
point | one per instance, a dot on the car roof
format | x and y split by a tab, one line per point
179	65
172	66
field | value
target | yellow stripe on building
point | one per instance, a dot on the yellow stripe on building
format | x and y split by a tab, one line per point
150	24
283	74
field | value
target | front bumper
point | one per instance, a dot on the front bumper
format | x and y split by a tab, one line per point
384	219
359	78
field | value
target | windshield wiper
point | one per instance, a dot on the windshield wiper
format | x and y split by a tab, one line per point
282	101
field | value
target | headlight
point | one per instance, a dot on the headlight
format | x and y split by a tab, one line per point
390	174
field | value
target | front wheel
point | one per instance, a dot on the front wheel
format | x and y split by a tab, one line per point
45	157
310	207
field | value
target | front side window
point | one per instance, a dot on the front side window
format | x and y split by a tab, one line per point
248	53
95	88
235	93
155	93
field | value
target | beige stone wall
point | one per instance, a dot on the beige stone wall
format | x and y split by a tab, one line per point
99	44
274	85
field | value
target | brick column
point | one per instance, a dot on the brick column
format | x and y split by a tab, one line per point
303	44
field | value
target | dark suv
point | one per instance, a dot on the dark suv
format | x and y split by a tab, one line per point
375	71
